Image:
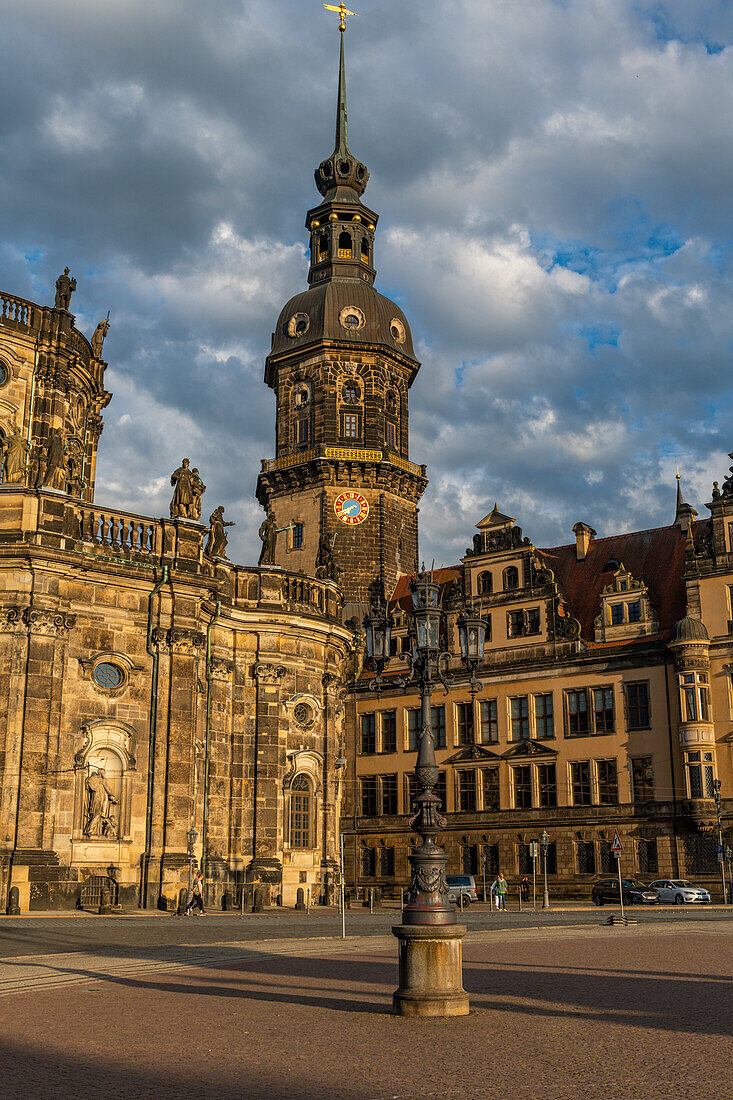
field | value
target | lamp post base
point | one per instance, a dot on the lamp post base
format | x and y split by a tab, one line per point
431	971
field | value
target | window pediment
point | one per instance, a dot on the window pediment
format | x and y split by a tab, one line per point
471	754
529	748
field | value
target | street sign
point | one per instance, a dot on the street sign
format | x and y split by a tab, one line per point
720	853
616	845
534	849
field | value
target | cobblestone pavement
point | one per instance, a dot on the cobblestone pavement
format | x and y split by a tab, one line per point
643	1012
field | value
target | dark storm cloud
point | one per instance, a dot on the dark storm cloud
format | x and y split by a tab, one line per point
554	187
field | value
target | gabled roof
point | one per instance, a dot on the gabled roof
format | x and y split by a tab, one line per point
656	557
401	594
495	518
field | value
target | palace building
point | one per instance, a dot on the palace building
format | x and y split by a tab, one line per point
165	706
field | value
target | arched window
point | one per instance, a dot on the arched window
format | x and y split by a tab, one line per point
350	393
511	578
364	250
322	248
344	246
300	813
485	584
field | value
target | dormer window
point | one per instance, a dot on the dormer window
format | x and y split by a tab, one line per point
511	578
350	320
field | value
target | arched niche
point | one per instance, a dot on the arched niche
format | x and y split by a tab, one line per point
104	767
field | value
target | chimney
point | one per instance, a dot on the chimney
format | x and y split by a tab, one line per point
584	535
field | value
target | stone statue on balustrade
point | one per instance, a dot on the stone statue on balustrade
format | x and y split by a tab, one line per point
98	819
184	503
98	338
198	489
268	535
216	543
65	287
50	460
15	456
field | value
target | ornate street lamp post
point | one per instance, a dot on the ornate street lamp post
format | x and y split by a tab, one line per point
545	841
430	955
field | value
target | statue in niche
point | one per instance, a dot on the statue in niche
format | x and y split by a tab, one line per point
65	287
15	456
216	543
50	460
198	489
268	535
184	495
99	820
98	338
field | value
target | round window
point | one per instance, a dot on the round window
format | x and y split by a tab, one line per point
302	714
4	375
107	675
352	318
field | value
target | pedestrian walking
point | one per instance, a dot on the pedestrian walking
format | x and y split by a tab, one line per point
499	889
524	890
197	895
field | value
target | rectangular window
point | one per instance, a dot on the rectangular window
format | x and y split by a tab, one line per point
642	779
547	784
701	854
533	620
585	857
413	728
607	782
634	610
298	536
607	860
464	712
469	859
522	783
491	788
520	718
350	427
389	731
368	862
544	717
369	791
467	791
603	709
489	721
551	858
368	735
386	862
577	704
580	782
437	723
617	613
300	819
700	774
410	792
302	431
646	854
637	704
389	794
515	624
524	859
390	436
490	859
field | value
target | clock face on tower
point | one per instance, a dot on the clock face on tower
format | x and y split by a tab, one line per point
351	507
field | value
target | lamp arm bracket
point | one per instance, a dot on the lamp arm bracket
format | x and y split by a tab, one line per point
444	678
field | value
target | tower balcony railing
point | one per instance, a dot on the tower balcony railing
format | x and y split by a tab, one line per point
18	313
342	454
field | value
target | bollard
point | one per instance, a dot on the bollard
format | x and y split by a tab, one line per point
300	898
258	905
460	899
519	892
308	900
13	909
371	899
347	898
182	901
402	898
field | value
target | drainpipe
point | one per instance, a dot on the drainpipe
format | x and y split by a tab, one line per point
204	840
151	741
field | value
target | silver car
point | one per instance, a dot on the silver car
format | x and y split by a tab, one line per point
461	885
680	891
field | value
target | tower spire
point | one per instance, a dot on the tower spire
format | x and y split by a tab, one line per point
685	514
341	147
341	169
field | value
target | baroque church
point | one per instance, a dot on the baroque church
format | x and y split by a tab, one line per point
167	706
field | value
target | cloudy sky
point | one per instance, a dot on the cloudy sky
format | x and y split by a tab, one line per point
554	184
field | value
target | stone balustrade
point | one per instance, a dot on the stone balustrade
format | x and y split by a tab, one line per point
117	531
18	313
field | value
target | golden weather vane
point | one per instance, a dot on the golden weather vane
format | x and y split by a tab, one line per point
342	11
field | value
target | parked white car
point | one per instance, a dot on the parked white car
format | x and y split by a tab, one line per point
680	891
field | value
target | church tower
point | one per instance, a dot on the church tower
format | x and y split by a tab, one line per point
341	486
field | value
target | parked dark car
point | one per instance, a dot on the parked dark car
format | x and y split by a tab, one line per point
634	892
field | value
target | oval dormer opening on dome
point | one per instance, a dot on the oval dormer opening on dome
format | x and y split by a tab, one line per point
343	167
351	317
397	331
298	325
326	169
